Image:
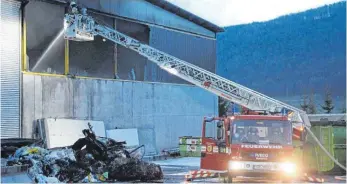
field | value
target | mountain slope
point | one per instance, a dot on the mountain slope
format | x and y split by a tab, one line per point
289	56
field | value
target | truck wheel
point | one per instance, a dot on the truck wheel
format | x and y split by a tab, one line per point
286	180
229	178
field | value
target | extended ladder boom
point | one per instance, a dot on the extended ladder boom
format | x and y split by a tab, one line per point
81	27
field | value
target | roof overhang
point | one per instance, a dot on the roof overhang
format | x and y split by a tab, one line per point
187	15
170	8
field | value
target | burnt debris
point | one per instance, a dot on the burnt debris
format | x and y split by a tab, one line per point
89	159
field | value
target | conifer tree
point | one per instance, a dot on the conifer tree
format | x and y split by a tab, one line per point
304	105
311	105
328	103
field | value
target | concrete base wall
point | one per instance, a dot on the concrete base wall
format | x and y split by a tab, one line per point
161	112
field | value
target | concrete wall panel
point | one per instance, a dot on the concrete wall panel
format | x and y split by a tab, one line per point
161	112
147	137
81	100
38	97
28	106
56	93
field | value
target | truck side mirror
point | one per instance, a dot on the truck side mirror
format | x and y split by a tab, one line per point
220	130
220	124
220	133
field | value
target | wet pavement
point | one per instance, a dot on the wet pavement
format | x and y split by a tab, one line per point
176	169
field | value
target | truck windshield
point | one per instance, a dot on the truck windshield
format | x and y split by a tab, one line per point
261	132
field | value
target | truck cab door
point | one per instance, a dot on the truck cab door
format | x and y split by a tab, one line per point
214	149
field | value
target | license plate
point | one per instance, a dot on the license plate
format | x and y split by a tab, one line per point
262	167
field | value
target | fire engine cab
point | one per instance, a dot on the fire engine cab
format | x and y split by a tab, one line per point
248	145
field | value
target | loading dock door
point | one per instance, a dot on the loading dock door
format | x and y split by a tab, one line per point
10	68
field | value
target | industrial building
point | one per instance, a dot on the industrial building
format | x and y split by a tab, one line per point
43	75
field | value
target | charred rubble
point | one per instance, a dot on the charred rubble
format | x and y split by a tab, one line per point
89	159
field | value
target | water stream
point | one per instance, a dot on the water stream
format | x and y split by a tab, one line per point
50	50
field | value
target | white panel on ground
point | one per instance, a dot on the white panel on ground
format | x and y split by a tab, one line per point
65	132
131	136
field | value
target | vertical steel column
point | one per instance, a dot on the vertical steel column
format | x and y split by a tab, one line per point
24	64
66	51
66	63
24	38
115	54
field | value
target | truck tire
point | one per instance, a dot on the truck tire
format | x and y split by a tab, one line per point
286	180
229	178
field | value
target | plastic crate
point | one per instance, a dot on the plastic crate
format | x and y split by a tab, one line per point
189	140
190	150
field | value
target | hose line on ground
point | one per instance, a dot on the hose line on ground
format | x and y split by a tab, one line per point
326	151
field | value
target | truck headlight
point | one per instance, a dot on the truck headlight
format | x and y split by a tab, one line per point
235	165
288	167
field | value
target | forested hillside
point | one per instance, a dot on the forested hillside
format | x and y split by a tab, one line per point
289	56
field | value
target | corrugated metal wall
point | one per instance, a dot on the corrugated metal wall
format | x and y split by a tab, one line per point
130	65
10	68
96	58
146	12
196	50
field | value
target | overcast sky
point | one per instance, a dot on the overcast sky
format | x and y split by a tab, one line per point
233	12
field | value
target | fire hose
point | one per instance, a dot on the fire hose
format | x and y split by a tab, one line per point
322	147
340	177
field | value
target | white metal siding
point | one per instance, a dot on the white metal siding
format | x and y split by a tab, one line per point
10	68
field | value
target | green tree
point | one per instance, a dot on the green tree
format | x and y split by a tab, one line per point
311	105
223	106
328	103
304	105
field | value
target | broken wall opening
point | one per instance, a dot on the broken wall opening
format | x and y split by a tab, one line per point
45	39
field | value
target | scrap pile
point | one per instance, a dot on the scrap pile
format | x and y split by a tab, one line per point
89	159
44	165
51	166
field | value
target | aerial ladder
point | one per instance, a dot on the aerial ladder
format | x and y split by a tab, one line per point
79	26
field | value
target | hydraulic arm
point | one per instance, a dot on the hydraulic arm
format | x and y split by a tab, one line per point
81	27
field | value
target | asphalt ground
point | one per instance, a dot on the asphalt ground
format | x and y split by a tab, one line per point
176	169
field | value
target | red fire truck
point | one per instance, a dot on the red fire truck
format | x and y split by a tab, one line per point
249	145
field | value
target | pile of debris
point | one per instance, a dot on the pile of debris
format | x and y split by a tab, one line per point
102	160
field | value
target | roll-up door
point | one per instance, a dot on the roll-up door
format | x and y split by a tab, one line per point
10	68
